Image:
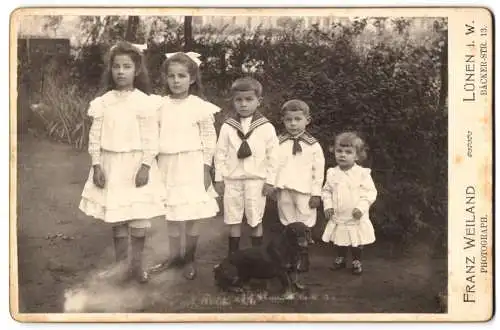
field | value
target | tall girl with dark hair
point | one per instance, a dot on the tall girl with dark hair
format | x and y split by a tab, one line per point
124	185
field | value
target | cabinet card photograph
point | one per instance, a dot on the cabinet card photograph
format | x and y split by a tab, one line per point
341	164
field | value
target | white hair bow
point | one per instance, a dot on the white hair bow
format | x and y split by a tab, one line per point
192	55
142	48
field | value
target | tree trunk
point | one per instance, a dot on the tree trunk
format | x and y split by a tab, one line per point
132	26
188	33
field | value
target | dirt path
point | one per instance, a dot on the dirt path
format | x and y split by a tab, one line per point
60	250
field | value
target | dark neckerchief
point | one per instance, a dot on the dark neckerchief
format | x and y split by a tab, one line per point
305	137
234	121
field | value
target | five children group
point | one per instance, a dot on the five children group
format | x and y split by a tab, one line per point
152	156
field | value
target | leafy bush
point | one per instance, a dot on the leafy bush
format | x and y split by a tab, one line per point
63	112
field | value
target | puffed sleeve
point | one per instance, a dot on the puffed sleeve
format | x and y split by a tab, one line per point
96	108
368	191
208	135
96	111
207	109
327	191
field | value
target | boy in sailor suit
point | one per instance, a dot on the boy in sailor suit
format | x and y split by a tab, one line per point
245	162
300	171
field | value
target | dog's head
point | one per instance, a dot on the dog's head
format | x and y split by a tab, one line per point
297	234
225	274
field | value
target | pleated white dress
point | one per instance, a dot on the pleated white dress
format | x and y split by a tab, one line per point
187	143
344	191
124	135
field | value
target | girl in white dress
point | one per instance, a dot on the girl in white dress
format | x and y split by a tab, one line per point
347	195
124	185
186	149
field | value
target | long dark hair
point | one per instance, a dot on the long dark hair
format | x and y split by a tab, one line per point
141	80
196	87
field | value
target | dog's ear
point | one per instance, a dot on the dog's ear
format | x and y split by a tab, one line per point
301	229
290	231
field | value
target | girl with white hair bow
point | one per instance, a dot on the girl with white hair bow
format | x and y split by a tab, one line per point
186	148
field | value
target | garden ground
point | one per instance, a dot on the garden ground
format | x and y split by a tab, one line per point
60	250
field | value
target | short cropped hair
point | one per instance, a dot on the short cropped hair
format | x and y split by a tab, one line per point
246	84
296	105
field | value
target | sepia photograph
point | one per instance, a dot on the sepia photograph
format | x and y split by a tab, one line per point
319	153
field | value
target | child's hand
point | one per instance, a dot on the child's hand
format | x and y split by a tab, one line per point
219	187
356	213
142	177
267	190
329	213
314	202
207	176
99	178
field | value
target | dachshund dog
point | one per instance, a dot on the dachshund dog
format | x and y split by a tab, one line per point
281	258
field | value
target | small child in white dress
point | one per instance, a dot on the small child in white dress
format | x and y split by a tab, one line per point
347	195
186	149
300	172
124	185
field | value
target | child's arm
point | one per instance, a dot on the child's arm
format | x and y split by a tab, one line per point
95	140
148	128
318	170
208	138
368	192
272	156
94	147
157	102
327	195
220	157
